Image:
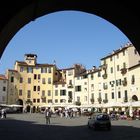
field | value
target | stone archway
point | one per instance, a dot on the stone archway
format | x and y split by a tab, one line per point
19	102
134	98
125	16
28	108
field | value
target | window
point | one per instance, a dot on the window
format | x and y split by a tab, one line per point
12	79
21	80
117	83
34	88
78	88
49	80
92	95
43	92
118	68
39	76
28	94
70	82
92	86
49	92
29	70
85	83
49	70
56	101
56	92
70	72
61	101
125	95
34	100
70	94
106	96
43	100
111	58
99	74
124	65
21	69
38	88
85	98
38	100
43	70
35	76
43	81
124	53
133	79
4	88
20	92
112	95
92	77
49	101
29	80
111	70
62	92
119	94
78	99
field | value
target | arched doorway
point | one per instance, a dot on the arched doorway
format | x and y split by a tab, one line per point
19	102
28	108
134	98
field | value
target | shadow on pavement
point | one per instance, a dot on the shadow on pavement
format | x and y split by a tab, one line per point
11	129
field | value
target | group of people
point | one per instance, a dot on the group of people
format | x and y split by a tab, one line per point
2	113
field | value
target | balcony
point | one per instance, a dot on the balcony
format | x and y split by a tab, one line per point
104	66
123	71
124	82
105	100
70	86
104	76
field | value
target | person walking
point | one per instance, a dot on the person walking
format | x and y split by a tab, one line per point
47	115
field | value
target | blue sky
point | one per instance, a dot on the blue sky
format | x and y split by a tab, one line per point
68	37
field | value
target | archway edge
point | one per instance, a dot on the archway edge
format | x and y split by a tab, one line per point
122	15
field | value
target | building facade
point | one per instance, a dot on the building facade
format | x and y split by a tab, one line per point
3	89
116	80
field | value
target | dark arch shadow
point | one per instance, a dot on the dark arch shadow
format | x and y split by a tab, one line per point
125	16
12	129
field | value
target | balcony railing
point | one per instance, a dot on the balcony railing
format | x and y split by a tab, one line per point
105	100
123	71
124	82
104	76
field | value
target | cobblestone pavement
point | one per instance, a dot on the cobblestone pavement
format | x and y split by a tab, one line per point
33	127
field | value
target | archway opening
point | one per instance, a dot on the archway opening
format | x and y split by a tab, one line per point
134	98
72	34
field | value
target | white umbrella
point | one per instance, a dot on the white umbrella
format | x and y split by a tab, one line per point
15	105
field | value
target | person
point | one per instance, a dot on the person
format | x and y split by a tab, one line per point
47	115
3	113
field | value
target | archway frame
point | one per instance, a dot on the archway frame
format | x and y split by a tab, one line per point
123	15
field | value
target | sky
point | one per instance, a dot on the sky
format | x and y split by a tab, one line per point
66	37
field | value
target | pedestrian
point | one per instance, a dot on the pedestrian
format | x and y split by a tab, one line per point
3	113
47	115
